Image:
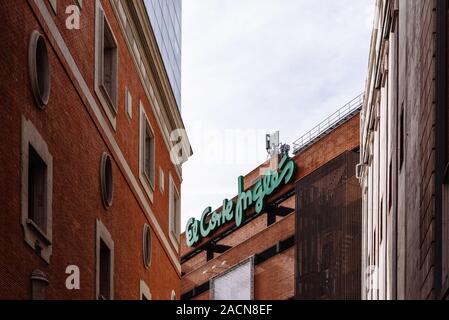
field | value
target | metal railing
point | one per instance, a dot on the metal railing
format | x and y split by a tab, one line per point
332	122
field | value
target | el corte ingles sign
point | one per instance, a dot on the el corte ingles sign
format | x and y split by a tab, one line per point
265	186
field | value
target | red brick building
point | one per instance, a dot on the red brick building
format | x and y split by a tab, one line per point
261	258
87	177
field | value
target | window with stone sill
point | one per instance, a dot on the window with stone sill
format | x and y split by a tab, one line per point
104	263
128	104
36	191
107	184
147	246
146	154
106	65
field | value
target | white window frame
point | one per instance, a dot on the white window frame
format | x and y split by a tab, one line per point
173	213
32	233
147	184
102	234
107	105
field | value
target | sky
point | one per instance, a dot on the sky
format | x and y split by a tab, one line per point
251	67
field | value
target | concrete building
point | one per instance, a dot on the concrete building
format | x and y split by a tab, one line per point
90	186
404	153
261	253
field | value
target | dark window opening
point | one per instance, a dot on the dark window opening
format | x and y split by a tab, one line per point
105	272
148	161
37	190
109	65
147	246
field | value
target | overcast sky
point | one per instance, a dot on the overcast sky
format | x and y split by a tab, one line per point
254	66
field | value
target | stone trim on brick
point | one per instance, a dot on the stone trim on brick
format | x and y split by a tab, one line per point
101	22
39	240
102	234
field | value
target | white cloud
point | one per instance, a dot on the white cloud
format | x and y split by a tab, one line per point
263	65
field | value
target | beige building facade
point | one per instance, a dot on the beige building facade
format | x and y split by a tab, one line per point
404	155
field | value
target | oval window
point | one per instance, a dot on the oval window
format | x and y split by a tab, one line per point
39	68
147	246
106	180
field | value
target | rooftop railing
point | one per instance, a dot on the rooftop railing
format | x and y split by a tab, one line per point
335	120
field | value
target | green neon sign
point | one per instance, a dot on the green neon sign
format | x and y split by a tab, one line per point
210	221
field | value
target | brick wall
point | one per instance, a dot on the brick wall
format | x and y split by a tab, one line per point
274	278
76	141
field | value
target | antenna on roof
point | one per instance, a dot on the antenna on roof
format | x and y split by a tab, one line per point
274	147
272	143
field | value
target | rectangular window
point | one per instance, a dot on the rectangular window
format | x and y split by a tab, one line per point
36	191
106	65
109	66
104	263
235	284
37	180
174	212
105	272
146	154
161	180
129	104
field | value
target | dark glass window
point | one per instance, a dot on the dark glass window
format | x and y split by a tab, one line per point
106	180
37	190
149	155
109	65
105	272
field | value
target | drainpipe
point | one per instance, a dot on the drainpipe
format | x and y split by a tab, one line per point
440	147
